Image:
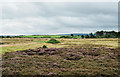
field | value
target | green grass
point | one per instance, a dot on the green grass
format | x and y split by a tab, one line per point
48	36
42	36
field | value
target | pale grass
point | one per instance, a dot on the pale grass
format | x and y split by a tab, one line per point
15	44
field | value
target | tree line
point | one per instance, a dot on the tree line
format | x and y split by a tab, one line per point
102	34
98	34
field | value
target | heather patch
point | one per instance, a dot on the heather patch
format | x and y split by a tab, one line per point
73	56
78	61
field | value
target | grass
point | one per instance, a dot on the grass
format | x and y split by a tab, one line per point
42	36
15	44
49	36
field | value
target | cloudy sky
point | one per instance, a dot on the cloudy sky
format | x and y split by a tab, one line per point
58	17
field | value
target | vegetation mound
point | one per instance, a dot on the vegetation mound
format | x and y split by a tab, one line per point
53	41
44	46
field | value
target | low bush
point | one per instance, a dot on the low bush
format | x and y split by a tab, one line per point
53	41
44	46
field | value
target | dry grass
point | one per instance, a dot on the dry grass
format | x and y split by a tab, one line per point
15	44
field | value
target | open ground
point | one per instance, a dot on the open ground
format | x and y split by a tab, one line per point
79	57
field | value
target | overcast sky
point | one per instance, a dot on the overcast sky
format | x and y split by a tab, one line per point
57	18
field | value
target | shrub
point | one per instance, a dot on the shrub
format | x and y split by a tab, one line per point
44	46
53	41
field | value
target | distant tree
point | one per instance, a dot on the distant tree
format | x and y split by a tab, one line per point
114	34
66	36
8	37
3	36
72	35
82	36
18	37
107	35
99	33
87	36
91	35
118	35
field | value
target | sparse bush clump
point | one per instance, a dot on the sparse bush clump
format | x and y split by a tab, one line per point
53	41
44	46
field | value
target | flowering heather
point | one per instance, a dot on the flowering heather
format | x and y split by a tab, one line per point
70	50
83	62
31	53
102	47
81	50
36	50
24	53
73	56
51	53
40	53
109	49
56	64
50	73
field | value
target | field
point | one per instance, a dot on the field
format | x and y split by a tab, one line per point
42	36
15	44
79	57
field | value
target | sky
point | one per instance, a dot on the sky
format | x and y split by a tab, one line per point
58	17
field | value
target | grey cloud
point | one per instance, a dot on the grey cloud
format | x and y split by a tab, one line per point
52	18
60	9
